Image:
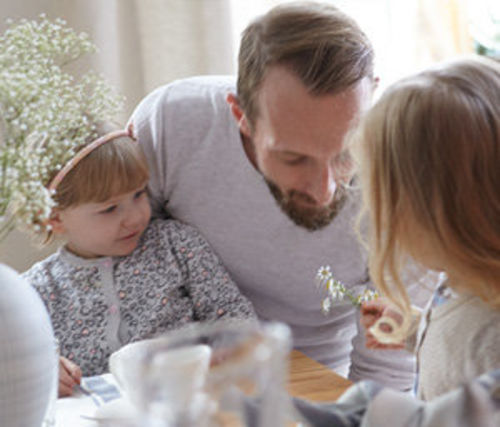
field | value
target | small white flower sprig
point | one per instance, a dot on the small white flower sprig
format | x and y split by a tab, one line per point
336	291
45	114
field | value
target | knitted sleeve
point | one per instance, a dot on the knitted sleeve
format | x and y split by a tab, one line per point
214	294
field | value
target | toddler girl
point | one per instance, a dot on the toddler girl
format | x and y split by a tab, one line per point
120	278
429	168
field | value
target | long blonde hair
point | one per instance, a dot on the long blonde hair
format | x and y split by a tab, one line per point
428	154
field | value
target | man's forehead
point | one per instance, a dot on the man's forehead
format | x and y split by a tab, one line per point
291	119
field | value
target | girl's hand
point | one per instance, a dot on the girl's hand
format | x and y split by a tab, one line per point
371	311
70	375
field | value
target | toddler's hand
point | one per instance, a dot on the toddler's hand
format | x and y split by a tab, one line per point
371	311
70	375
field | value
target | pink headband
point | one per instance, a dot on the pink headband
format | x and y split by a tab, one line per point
85	151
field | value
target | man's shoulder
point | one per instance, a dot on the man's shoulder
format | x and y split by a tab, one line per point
184	107
197	87
206	81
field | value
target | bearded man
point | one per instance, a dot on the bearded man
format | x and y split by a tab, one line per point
260	168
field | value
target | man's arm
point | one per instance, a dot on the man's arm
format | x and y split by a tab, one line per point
148	120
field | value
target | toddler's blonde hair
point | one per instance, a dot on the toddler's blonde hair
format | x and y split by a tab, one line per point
428	155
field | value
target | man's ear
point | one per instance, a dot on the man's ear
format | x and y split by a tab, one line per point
56	223
238	114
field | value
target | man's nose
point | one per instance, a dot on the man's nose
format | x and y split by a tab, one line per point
323	187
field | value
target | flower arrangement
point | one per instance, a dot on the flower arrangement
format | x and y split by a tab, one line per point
337	291
46	114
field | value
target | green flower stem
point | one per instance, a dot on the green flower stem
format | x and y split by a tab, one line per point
353	299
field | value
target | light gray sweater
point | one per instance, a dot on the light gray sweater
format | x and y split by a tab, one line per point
201	175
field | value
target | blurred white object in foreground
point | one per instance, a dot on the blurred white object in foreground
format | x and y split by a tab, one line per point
27	355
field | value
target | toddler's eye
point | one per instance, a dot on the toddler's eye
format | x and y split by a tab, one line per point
108	210
140	193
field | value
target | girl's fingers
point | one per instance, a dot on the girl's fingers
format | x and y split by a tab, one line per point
373	307
64	390
69	375
66	383
371	311
367	320
72	369
66	379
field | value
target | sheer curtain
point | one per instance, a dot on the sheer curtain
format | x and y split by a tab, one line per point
146	43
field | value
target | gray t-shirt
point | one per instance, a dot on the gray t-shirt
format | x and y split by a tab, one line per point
201	175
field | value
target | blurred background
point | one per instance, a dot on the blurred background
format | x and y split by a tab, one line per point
147	43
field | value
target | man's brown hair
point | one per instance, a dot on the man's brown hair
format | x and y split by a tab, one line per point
324	47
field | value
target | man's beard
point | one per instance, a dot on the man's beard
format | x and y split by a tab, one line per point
311	218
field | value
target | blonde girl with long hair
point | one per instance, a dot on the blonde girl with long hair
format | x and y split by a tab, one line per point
429	169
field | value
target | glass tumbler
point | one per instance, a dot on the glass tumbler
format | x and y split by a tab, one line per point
223	374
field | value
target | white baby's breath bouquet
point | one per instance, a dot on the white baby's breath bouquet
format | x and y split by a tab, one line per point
45	114
337	292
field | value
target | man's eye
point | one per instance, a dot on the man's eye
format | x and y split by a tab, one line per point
296	160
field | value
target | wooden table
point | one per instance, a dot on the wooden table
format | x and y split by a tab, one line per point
311	380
